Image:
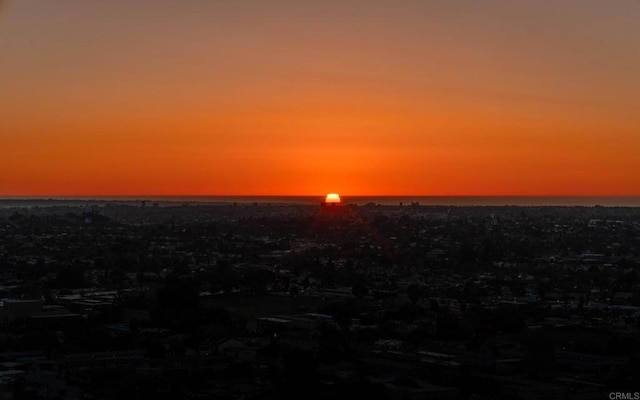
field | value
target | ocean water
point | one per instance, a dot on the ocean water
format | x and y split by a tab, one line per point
586	201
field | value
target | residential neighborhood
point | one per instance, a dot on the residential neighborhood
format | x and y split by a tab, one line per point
126	300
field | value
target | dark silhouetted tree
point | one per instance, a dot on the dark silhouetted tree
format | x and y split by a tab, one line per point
414	292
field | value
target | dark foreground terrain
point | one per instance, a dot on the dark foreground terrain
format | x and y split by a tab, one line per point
133	301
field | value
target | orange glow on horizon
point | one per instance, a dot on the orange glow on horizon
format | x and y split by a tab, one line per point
253	98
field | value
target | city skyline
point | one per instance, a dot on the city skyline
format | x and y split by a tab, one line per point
307	98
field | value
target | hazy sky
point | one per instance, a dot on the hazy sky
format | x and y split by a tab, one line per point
306	97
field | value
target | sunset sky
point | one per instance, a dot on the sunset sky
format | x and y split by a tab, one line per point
301	97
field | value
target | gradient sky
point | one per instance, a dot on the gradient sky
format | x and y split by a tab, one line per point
195	97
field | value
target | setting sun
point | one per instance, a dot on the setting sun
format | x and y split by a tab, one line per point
332	198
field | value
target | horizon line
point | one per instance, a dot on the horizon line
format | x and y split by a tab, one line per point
68	196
